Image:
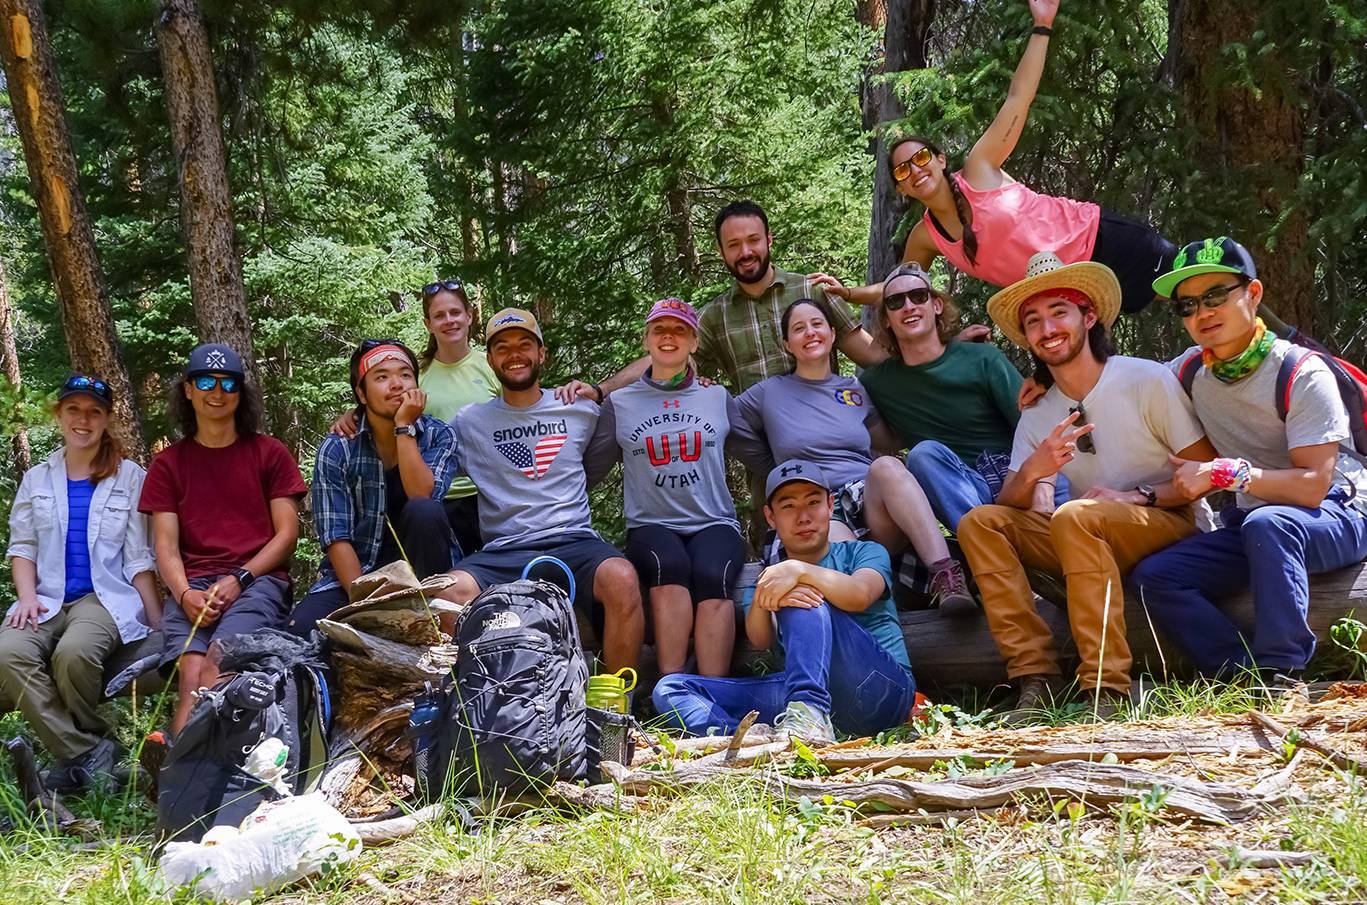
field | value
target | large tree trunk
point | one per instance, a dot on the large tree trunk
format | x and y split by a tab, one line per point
40	117
1249	134
9	366
206	202
906	28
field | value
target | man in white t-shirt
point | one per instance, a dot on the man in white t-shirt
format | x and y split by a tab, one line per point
1301	489
1109	424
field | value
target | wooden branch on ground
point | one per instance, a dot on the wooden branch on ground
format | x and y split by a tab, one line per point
1306	740
928	818
1169	744
1270	859
602	797
383	832
736	740
1093	783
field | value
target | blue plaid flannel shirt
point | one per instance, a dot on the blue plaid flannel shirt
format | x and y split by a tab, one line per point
348	492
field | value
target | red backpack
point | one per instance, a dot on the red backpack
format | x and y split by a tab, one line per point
1350	379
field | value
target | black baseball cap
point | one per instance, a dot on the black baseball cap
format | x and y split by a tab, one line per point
1222	255
81	385
214	358
791	471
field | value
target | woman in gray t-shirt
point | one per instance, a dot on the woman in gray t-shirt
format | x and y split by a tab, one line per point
827	418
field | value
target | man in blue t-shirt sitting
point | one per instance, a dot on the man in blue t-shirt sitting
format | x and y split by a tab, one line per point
845	661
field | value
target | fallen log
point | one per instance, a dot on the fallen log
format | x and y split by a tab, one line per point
1303	739
1090	783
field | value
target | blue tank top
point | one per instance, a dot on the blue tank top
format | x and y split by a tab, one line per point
78	583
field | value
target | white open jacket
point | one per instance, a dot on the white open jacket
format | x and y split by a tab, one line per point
117	538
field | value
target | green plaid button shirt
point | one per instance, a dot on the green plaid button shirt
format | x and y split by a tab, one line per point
741	338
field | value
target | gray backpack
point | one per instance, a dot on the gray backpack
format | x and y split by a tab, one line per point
514	716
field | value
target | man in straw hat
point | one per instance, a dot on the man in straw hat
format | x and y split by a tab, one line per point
1109	424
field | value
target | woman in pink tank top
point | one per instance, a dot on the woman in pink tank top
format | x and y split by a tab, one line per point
988	225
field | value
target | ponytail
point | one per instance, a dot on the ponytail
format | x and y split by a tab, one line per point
961	205
429	352
108	458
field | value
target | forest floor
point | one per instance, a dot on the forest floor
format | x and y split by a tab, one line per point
1195	798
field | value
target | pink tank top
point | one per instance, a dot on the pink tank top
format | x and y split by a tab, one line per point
1012	223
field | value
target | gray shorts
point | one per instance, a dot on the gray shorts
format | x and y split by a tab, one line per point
266	604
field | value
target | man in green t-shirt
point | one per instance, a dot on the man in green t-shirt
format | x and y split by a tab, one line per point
953	403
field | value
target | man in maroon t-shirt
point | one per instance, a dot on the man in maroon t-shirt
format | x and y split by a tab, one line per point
224	501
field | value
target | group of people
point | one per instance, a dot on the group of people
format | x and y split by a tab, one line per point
1095	469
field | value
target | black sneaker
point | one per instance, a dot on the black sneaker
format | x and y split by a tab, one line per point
91	771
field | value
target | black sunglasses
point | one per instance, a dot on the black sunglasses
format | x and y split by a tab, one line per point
368	344
898	300
83	384
1085	443
432	289
1187	305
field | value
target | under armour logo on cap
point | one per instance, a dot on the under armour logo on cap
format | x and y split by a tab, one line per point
791	471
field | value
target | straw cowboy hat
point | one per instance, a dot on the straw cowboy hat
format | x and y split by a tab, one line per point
1044	272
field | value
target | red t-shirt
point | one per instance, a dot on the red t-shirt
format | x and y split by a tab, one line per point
222	497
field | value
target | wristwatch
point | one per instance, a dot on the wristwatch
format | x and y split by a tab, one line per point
244	578
406	430
1150	495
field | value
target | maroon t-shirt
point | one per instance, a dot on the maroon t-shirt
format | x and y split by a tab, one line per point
223	498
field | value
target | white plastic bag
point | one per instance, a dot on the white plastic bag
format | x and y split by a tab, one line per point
280	843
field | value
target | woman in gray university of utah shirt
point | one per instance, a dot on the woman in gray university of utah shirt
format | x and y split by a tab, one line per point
671	435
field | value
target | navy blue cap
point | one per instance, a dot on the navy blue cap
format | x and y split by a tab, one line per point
214	358
794	470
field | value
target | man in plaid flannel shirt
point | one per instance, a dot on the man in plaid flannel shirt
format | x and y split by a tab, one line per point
377	497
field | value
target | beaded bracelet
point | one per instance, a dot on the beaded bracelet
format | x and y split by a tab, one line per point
1231	474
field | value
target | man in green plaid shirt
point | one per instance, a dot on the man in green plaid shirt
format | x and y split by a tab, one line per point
741	336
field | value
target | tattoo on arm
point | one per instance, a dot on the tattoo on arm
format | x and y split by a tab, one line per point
1010	130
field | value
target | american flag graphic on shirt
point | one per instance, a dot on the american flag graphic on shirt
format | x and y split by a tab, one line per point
534	462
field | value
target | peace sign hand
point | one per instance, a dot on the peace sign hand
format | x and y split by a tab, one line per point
1057	449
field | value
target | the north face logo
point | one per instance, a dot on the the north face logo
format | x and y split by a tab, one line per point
500	622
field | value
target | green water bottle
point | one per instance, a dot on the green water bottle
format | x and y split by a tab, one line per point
608	691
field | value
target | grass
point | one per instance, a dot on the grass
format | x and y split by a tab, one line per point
729	843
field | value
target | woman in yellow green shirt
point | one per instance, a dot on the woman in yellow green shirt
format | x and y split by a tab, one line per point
453	374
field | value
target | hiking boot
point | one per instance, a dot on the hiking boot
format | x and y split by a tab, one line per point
802	720
91	771
1037	695
1278	684
949	588
1107	704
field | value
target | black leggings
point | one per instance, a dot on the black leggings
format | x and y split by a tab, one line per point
1137	253
706	562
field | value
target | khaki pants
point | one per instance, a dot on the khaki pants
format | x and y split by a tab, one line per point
55	675
1092	544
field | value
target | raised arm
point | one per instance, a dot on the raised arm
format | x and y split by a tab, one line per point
984	163
578	389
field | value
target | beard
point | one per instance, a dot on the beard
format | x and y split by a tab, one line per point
748	271
526	383
1064	353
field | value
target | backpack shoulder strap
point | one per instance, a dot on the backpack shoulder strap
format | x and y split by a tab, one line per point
1187	371
1286	375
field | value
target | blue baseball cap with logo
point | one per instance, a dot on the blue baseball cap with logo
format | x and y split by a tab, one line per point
214	358
791	471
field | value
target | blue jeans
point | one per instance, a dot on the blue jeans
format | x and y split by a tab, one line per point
952	487
831	663
1273	550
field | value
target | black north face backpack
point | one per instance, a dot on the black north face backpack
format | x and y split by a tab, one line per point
278	692
513	716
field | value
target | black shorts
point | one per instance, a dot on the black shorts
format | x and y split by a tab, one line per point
707	562
582	553
265	604
1137	253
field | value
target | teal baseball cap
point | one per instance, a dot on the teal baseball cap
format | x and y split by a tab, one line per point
1222	255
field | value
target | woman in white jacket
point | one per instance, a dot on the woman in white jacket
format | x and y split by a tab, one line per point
84	571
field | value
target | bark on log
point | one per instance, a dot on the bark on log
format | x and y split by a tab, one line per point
206	201
40	118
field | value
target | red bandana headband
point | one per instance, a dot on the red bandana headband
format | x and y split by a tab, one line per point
1076	296
378	354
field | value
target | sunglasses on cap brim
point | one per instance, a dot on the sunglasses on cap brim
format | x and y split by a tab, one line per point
91	385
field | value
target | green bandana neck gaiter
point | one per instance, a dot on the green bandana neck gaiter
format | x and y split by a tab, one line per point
1246	362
